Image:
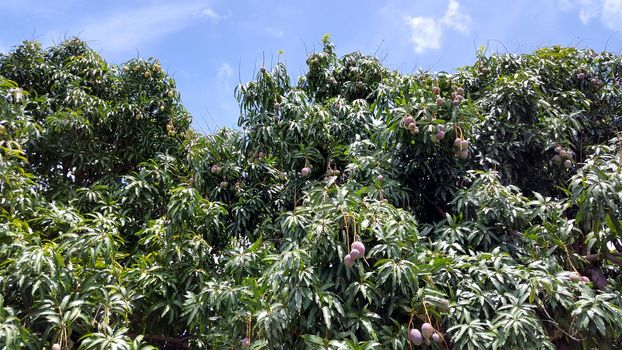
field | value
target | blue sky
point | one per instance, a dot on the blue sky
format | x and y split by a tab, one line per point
209	46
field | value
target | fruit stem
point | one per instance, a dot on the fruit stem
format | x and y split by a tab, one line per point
427	316
294	201
569	259
459	133
410	326
345	221
249	322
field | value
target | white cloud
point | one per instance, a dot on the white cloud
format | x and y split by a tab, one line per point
275	32
608	11
224	75
588	9
224	72
129	29
565	5
427	32
455	18
612	14
208	12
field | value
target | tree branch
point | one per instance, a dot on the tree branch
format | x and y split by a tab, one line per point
597	257
177	343
592	257
436	206
597	276
614	259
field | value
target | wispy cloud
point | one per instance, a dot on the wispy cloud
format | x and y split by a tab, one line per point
224	72
130	29
208	12
427	32
34	7
608	11
456	18
275	32
612	14
588	9
224	75
565	5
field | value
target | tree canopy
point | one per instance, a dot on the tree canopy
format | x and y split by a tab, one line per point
354	208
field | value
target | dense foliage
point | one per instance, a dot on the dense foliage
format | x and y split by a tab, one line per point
488	201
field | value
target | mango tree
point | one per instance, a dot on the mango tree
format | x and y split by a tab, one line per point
355	208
